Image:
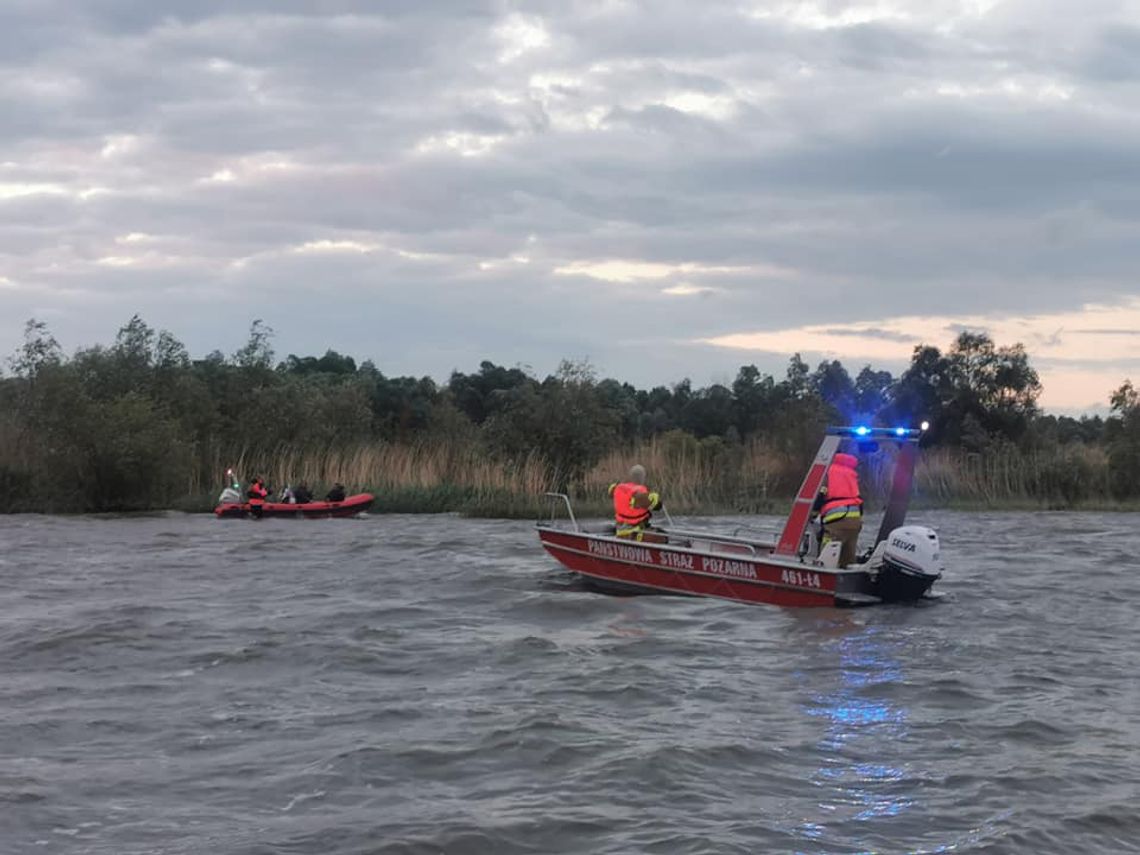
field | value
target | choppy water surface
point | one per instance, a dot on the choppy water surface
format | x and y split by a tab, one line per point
177	684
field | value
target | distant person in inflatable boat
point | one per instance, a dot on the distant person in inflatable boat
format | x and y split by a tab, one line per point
634	504
840	506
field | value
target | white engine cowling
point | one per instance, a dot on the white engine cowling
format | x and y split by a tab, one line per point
229	496
914	548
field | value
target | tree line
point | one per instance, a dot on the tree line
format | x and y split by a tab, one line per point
139	424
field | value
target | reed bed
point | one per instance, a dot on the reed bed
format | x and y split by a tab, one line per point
1070	476
418	477
694	477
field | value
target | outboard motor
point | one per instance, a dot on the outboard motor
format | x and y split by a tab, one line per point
911	562
229	496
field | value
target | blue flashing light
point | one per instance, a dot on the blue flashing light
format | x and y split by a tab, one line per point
866	432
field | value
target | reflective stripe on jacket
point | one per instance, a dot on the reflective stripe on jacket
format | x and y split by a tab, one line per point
843	498
852	511
624	497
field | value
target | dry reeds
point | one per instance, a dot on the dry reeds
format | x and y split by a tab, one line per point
450	475
380	467
1057	477
693	476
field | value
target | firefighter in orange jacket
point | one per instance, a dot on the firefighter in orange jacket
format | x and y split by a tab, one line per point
634	504
841	507
256	494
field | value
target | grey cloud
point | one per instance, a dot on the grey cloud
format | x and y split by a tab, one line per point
957	329
662	119
720	34
1122	368
1115	55
877	46
882	335
832	155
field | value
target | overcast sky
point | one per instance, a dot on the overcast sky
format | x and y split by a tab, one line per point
668	189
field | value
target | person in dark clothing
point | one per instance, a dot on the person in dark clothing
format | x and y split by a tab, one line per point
302	495
336	494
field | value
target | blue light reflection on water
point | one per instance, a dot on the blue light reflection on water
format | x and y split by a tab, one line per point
859	774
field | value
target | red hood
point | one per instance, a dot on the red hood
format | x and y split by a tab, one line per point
848	460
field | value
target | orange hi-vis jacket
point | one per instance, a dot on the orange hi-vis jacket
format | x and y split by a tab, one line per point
843	498
625	498
257	494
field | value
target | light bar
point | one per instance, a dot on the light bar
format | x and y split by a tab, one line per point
865	432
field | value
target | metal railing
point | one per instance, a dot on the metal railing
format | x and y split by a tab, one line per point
712	537
569	508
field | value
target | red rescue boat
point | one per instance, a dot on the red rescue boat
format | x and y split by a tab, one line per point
351	506
791	571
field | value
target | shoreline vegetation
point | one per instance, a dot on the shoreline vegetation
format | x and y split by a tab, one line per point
428	479
138	425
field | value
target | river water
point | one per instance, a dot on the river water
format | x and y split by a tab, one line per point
404	684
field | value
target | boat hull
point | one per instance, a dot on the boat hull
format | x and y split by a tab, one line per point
897	583
692	568
789	571
351	506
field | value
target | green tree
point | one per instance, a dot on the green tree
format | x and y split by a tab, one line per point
922	393
708	412
797	382
621	400
974	396
480	395
994	389
257	353
832	384
1123	433
331	363
563	420
873	394
134	346
40	349
401	406
133	458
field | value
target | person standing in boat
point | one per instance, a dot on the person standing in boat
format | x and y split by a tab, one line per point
840	506
256	494
634	504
